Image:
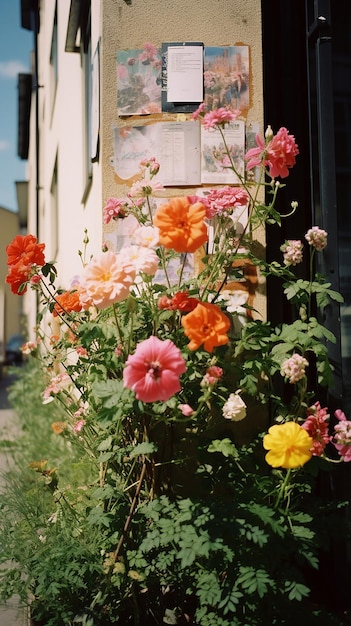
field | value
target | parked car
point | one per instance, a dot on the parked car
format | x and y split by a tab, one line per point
13	352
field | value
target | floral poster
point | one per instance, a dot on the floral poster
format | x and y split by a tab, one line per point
218	154
139	81
226	77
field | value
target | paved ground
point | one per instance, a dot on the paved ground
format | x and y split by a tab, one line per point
9	616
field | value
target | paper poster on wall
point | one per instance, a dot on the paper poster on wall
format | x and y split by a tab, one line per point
175	145
132	144
182	76
180	153
215	163
139	81
188	153
226	77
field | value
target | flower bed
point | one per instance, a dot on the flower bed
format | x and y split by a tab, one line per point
189	497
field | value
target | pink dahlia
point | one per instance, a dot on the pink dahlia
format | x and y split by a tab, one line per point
153	370
106	279
219	117
278	154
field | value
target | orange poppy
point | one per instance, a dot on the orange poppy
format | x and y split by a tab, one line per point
181	225
66	302
206	325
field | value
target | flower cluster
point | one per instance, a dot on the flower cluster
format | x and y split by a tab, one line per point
24	256
149	359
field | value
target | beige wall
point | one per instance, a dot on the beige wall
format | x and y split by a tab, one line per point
221	22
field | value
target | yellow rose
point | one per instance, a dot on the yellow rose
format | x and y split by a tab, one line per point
288	445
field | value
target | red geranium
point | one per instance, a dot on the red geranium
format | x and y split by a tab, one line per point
17	278
24	250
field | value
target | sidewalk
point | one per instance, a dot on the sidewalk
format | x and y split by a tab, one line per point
11	615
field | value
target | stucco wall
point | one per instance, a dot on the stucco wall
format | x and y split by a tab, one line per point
213	22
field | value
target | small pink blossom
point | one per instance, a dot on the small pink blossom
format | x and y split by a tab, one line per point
317	238
144	188
186	409
58	383
294	368
114	209
35	279
153	370
81	351
224	200
293	251
219	117
28	347
212	376
79	425
152	164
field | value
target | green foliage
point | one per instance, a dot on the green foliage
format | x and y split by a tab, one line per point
126	508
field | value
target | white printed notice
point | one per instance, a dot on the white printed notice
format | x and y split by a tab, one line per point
180	153
185	73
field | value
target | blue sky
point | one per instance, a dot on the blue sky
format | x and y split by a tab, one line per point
15	46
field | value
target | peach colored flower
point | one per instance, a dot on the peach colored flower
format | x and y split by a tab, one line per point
108	278
206	325
181	225
153	370
146	236
143	259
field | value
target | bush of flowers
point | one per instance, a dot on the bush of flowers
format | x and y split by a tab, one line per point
197	425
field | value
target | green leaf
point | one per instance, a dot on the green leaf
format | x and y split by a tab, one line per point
224	446
252	580
145	448
297	591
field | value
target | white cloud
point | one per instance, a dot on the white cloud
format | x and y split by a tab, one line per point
10	69
4	145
